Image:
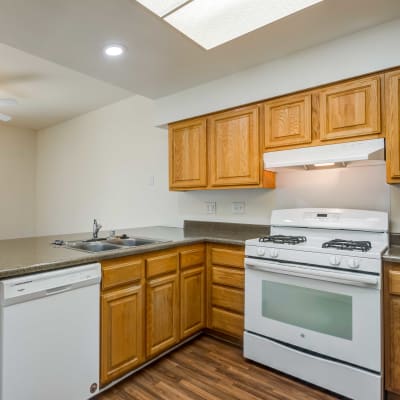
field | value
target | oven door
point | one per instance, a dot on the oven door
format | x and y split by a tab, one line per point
335	314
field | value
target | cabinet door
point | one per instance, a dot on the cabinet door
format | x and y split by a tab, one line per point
162	314
234	148
192	301
122	332
188	154
392	88
392	327
287	121
350	109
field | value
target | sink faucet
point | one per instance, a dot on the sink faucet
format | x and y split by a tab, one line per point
96	229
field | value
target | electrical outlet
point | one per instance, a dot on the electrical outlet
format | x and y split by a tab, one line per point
211	207
238	207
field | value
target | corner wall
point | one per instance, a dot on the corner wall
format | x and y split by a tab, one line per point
102	165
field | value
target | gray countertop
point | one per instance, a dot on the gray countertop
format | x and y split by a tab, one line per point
392	254
36	254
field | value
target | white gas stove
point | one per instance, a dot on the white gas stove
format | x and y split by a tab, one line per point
313	298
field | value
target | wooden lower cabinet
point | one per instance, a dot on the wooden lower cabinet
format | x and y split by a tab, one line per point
392	328
151	302
162	314
122	334
225	270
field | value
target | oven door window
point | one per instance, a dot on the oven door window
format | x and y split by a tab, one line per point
312	309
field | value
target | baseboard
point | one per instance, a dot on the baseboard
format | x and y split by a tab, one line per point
238	342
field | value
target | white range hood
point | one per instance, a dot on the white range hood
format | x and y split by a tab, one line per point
365	152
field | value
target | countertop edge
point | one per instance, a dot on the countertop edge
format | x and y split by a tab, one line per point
88	258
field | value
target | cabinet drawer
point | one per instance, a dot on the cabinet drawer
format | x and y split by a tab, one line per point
394	282
228	298
228	257
121	271
161	264
228	276
227	322
192	256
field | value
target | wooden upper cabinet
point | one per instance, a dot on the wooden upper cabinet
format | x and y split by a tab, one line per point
350	109
287	121
188	154
234	148
392	87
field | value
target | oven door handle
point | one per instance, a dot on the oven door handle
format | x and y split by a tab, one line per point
354	279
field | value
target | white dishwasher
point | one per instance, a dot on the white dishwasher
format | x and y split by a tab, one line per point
49	335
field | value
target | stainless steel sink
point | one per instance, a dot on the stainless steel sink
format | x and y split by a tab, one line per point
92	247
95	246
131	242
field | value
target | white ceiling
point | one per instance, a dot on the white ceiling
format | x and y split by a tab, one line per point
160	60
48	93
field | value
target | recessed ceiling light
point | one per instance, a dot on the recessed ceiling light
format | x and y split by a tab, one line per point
211	23
114	50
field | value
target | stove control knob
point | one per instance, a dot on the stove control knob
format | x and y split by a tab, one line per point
260	251
273	253
353	263
334	260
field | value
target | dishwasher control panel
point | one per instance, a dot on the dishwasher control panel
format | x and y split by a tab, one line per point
24	288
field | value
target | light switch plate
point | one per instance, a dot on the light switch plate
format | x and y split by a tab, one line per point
238	207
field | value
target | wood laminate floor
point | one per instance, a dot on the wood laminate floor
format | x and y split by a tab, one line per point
208	369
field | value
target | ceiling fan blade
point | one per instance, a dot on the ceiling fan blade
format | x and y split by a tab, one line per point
8	102
5	118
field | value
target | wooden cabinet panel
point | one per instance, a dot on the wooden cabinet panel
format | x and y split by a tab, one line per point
391	297
393	372
194	255
122	332
227	256
225	295
394	282
350	109
228	298
392	107
162	314
228	276
234	149
162	263
188	154
287	121
192	301
227	322
121	271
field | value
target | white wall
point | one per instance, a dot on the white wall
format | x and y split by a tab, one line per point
17	180
365	51
100	165
362	187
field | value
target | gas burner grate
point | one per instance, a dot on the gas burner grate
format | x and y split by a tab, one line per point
348	245
284	239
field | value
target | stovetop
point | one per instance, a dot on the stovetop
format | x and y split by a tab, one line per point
283	239
339	244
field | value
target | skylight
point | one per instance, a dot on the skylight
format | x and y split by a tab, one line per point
211	23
